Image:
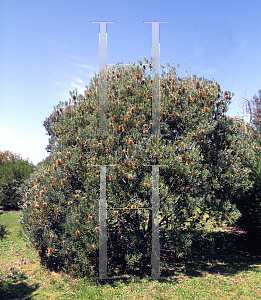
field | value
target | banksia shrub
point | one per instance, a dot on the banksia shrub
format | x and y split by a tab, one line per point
196	181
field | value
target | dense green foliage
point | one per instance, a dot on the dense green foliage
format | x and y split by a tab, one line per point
201	149
13	171
249	203
3	231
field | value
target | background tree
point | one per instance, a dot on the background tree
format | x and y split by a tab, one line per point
13	171
249	203
200	148
253	107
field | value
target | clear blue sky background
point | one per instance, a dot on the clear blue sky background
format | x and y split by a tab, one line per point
49	48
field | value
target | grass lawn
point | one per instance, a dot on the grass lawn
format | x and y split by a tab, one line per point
232	271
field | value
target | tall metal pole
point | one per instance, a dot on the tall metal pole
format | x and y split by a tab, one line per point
155	257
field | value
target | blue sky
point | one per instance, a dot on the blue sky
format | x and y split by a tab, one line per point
49	48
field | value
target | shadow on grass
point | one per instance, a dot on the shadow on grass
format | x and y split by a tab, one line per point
230	253
17	289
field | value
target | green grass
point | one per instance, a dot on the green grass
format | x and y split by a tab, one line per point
232	271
